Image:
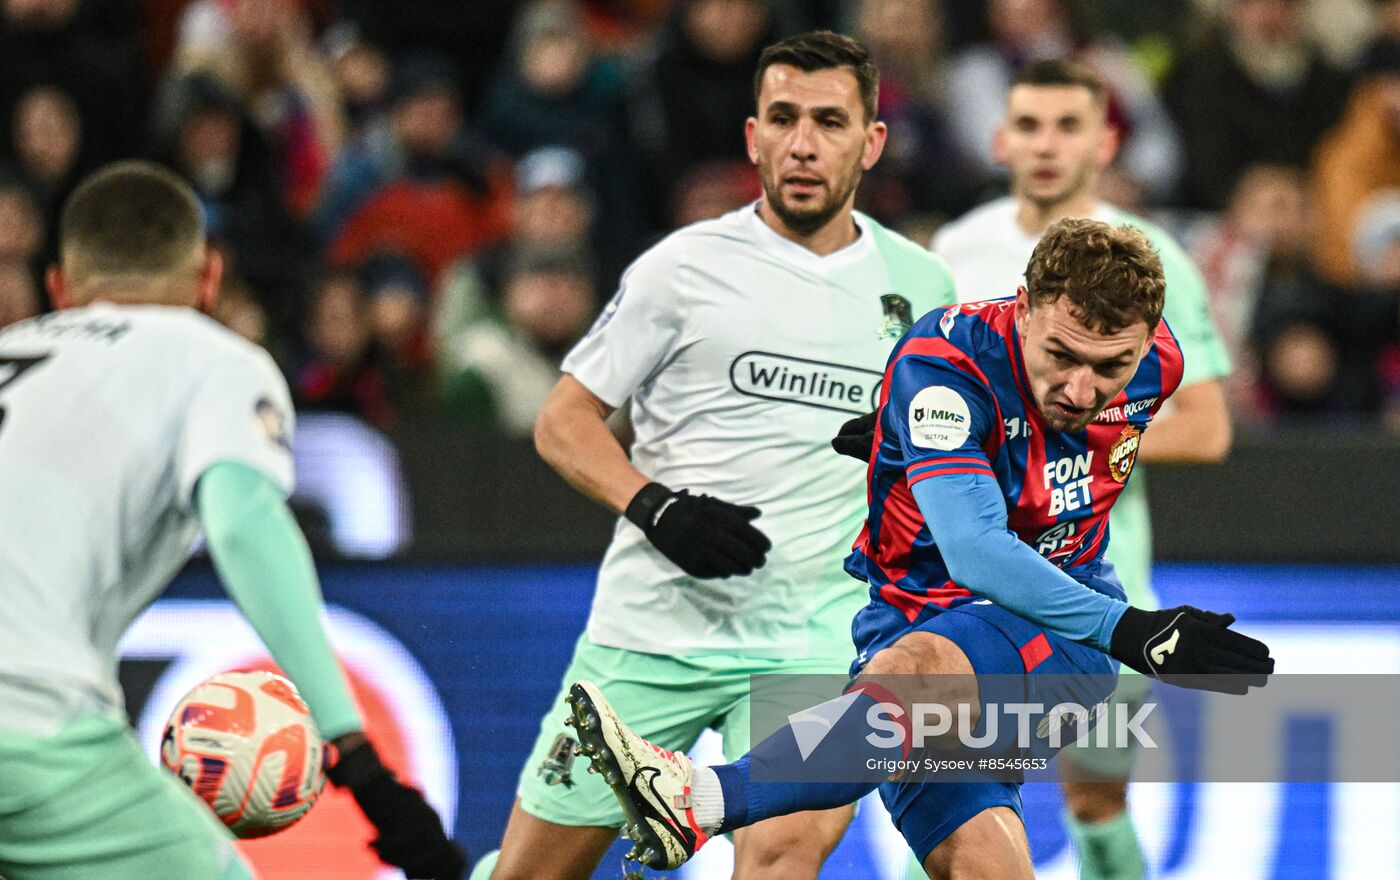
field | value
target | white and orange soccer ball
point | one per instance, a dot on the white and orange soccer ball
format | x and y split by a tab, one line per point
246	744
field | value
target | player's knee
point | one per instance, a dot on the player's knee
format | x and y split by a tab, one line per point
897	659
784	853
1096	801
920	653
926	670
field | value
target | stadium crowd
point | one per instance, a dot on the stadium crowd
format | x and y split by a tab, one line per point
423	205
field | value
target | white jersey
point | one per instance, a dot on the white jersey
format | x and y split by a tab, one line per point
742	353
108	416
987	250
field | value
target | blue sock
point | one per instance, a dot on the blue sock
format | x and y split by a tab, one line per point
833	737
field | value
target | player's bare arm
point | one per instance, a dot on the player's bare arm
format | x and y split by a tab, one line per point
573	436
706	537
1195	429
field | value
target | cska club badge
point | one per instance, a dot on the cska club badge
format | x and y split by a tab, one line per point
1124	453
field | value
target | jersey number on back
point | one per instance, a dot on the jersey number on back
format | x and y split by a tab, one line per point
11	368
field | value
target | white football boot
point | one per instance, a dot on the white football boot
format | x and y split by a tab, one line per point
652	784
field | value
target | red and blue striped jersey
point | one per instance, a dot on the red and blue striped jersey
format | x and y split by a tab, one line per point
955	400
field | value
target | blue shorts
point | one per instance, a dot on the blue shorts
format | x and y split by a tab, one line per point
1050	669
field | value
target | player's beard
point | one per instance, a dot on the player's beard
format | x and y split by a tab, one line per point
807	219
1054	420
1048	203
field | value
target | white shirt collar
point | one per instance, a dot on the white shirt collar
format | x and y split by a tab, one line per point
796	253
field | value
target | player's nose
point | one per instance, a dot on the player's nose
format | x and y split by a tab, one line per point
1080	387
804	141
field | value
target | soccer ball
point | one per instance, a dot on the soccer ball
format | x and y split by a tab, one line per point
246	744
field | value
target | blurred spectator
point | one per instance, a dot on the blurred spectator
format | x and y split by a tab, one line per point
345	371
1301	369
1376	243
363	76
397	294
205	135
48	135
19	297
1355	161
553	211
688	103
474	34
498	367
1319	347
263	51
48	139
237	308
422	186
625	25
1262	240
552	90
1255	90
21	226
1020	31
711	189
70	46
921	171
554	208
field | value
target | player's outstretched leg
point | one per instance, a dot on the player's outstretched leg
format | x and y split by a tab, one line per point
653	785
672	807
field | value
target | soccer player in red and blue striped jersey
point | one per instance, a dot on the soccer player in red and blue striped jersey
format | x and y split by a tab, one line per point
959	402
1006	430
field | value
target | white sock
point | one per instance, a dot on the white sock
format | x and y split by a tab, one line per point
707	800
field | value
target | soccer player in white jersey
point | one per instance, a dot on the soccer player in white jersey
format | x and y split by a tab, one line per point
1054	141
128	422
743	343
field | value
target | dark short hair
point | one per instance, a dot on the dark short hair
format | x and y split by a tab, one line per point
1111	274
130	219
823	50
1061	72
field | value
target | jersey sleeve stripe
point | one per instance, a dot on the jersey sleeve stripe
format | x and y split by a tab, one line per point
939	462
985	471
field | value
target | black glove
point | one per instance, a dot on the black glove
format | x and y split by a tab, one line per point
856	436
706	537
410	832
1191	648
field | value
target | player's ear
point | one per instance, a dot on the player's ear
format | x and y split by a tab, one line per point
1108	145
1023	310
211	275
876	134
57	284
750	127
999	145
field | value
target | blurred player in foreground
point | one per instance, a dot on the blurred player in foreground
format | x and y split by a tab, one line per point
740	341
128	422
1007	430
1054	141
